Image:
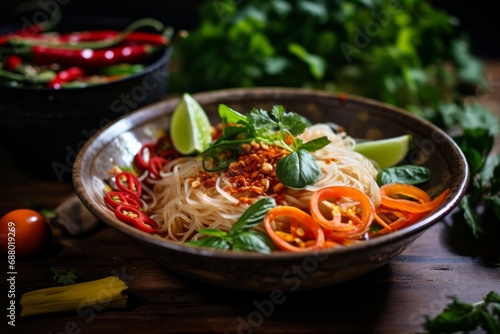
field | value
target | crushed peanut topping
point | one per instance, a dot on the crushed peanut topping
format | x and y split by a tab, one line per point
254	171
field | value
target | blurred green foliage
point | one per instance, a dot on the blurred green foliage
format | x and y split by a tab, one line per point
402	52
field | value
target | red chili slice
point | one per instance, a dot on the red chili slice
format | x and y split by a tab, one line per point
117	198
136	218
156	164
141	159
127	182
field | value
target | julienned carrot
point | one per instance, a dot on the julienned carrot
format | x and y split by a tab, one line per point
351	211
294	220
399	211
393	196
352	214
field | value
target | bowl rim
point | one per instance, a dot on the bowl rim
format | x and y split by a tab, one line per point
126	122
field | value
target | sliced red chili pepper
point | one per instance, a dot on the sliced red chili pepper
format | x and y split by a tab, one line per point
165	148
136	218
141	159
127	182
117	198
156	164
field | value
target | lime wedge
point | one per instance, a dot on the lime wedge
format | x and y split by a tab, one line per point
385	152
190	127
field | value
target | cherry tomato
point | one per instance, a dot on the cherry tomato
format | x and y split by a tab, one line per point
25	232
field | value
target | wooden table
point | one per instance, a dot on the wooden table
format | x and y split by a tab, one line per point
442	263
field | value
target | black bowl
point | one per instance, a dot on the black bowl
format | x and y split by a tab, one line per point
43	129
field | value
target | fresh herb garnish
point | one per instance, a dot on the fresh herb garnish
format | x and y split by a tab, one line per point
241	237
461	317
69	277
277	127
484	188
408	174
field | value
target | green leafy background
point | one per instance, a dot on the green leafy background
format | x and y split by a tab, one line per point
402	52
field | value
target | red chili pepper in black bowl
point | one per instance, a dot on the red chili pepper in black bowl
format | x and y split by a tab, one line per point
66	75
96	35
88	57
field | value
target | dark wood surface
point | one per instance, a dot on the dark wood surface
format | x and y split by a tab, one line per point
444	262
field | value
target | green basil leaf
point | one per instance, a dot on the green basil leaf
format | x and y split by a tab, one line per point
315	144
298	170
211	242
254	241
408	174
213	232
253	215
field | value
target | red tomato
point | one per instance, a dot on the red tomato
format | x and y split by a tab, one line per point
24	232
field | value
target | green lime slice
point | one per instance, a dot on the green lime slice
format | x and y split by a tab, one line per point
190	127
385	152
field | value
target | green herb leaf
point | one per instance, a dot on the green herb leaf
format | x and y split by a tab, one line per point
408	174
229	115
289	122
253	215
298	169
211	242
315	144
213	232
70	277
240	237
252	240
461	317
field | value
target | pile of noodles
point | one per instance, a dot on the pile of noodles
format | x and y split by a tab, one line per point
180	209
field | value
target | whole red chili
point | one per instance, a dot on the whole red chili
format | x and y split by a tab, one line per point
89	57
96	35
12	62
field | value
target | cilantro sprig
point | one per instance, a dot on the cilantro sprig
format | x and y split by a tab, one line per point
65	278
241	237
460	317
277	127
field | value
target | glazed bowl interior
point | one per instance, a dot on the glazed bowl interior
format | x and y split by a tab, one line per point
362	118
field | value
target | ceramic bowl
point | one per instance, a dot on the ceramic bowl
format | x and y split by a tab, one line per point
362	118
44	128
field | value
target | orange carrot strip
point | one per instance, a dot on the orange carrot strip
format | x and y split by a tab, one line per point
358	215
302	218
